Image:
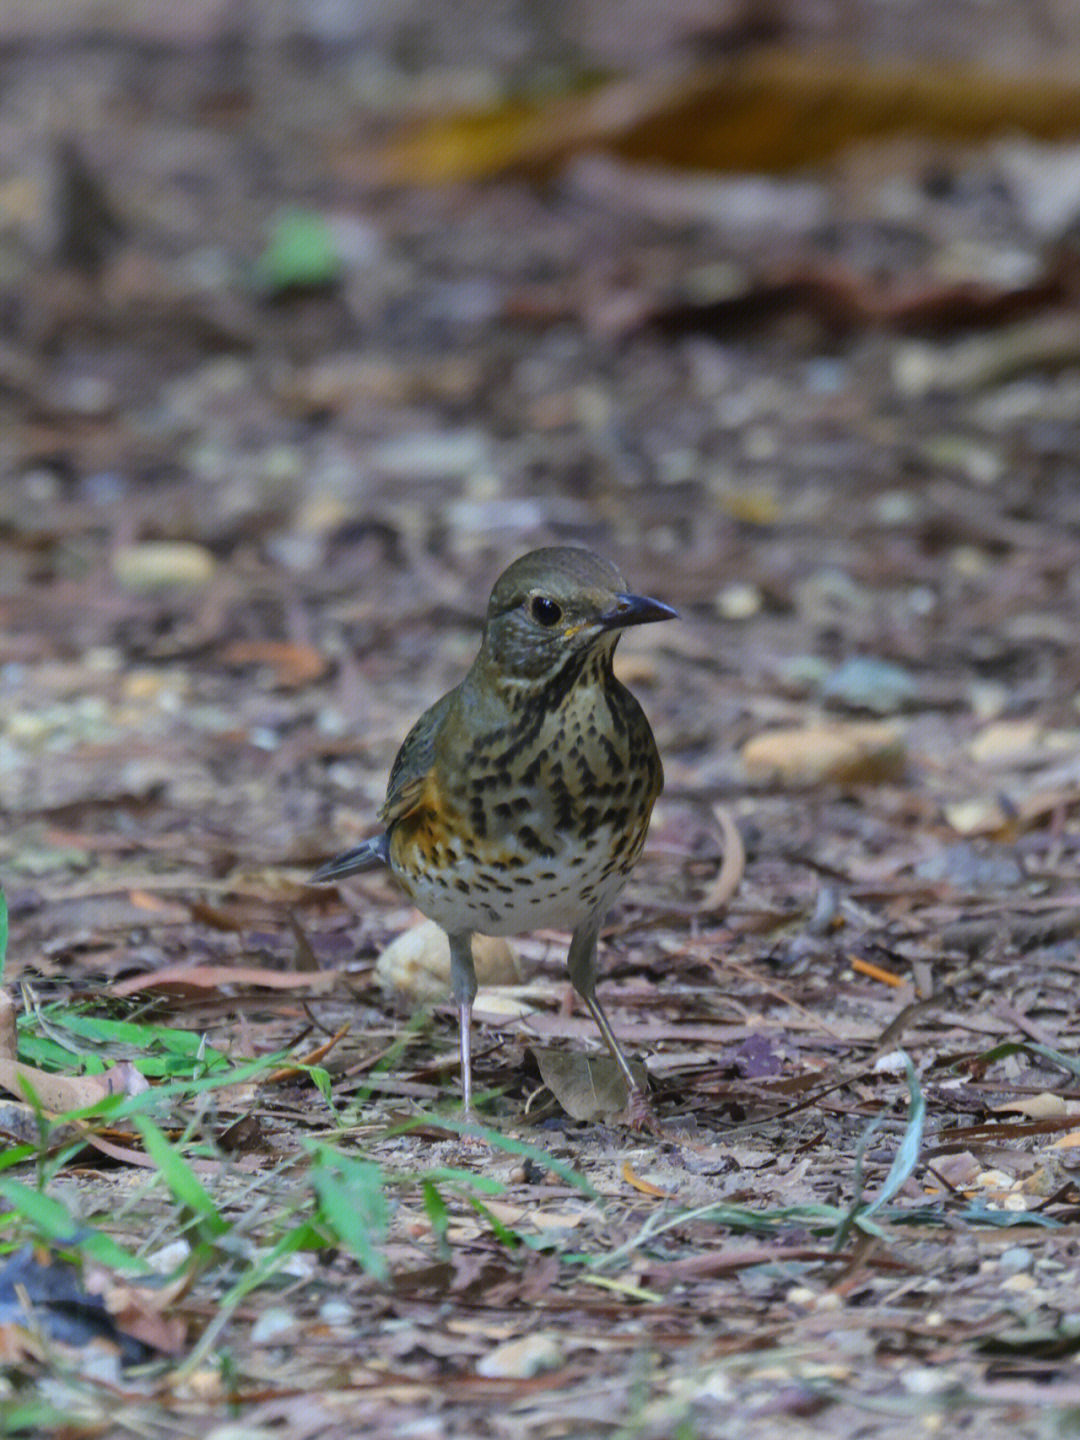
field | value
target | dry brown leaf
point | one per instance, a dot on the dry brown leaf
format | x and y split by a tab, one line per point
508	1003
196	979
1006	741
982	816
125	1154
588	1087
644	1187
732	867
762	111
844	754
293	665
557	1219
18	1344
166	912
876	972
133	1316
1045	1106
61	1093
313	1057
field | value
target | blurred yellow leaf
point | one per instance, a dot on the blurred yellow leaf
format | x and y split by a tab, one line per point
772	111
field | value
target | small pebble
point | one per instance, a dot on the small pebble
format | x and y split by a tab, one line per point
896	507
1016	1259
241	1430
926	1380
417	963
967	868
163	564
272	1325
739	601
801	1295
866	683
1019	1284
169	1257
449	454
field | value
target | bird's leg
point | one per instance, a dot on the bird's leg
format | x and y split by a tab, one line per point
463	984
582	964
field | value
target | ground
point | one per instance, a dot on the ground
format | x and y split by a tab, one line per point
307	333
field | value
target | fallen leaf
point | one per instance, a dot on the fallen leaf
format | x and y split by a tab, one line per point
768	110
876	972
588	1087
195	979
1005	741
61	1093
844	754
522	1358
644	1187
143	1313
313	1057
975	817
1044	1106
293	665
732	867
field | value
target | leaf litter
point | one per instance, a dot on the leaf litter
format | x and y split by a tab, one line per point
245	535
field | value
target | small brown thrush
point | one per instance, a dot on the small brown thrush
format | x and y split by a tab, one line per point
521	799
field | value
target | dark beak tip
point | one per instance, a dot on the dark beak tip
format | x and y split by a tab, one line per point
638	610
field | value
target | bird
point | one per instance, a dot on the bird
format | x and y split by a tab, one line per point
521	799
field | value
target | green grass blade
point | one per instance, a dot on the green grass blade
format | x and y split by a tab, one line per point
506	1143
54	1223
435	1208
352	1201
181	1179
907	1156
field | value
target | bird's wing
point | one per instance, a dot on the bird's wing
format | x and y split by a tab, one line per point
411	774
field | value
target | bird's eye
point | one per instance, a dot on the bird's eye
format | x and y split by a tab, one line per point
544	611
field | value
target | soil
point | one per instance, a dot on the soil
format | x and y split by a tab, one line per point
273	420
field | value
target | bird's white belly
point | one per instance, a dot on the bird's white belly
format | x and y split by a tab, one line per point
539	892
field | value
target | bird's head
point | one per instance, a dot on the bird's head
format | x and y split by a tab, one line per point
556	605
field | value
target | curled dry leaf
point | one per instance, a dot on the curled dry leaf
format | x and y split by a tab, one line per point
732	866
417	963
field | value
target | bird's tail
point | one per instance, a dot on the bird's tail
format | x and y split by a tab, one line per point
375	851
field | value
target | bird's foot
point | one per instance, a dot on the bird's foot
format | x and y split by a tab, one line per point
640	1113
469	1138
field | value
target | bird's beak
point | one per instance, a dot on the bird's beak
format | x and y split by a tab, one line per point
636	610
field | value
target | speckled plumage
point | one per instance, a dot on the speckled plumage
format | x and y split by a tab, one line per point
521	799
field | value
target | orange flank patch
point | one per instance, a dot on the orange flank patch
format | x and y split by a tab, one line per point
418	839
